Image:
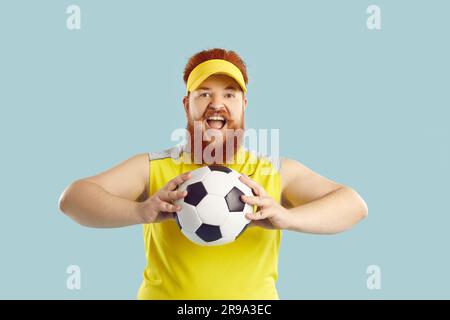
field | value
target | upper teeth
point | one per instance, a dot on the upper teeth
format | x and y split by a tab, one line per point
216	118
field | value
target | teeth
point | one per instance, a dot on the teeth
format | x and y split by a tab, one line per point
216	118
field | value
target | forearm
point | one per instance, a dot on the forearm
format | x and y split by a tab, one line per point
335	212
91	205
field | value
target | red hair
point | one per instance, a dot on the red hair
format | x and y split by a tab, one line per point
215	53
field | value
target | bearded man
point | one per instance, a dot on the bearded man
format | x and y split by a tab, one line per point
142	190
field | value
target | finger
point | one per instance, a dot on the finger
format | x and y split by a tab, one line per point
246	180
170	196
164	206
257	201
174	183
257	189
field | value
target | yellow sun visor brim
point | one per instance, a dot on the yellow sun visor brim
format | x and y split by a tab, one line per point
214	66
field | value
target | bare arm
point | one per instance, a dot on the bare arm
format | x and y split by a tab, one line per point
317	204
110	199
91	205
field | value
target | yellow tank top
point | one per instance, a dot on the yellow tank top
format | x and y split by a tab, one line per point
180	269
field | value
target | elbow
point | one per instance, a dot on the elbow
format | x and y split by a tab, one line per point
359	211
364	213
360	215
62	202
67	204
64	198
64	206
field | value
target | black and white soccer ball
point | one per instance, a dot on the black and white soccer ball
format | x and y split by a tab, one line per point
212	213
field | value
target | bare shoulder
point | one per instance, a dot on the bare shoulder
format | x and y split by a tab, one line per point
128	179
300	184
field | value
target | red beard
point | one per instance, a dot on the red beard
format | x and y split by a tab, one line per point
214	152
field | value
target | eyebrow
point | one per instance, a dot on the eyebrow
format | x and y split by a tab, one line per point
227	88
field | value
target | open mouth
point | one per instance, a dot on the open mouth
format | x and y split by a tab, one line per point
216	122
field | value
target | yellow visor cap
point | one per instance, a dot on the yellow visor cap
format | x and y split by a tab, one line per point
214	66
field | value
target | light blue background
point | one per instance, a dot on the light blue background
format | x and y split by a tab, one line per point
368	109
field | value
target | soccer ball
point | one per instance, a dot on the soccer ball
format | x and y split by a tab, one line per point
212	213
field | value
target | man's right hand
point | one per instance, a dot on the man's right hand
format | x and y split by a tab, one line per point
159	207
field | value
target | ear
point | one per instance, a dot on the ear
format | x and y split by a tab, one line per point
186	104
245	102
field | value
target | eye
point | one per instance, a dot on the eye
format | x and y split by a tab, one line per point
229	95
204	94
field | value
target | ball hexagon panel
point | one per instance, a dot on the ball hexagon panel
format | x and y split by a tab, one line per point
218	183
234	225
212	210
234	174
249	208
196	176
188	218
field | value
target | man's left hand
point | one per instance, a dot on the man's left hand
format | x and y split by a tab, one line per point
269	214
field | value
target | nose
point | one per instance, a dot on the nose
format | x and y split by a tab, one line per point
216	107
216	103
